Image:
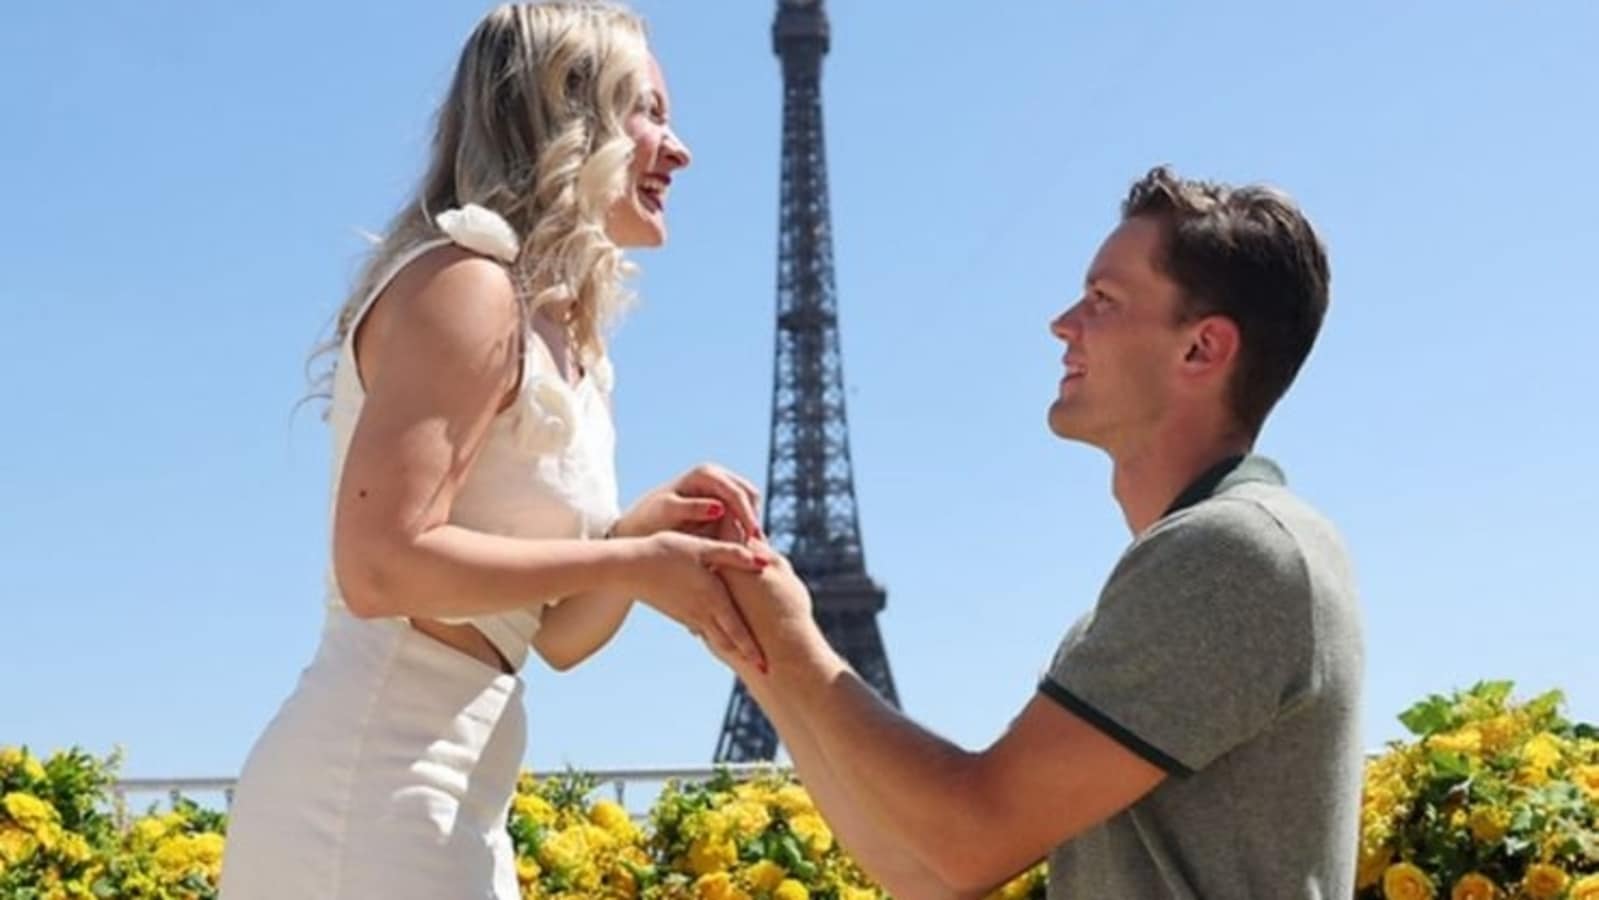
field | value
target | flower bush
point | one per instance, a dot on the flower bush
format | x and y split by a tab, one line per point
1492	799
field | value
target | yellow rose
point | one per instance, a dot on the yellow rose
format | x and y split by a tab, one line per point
29	811
1587	778
611	817
791	890
711	824
74	849
810	828
562	851
1538	756
1373	863
1466	740
793	800
534	808
16	845
1489	823
747	817
718	886
595	839
1474	886
1404	881
1498	733
764	875
1544	882
707	856
1586	888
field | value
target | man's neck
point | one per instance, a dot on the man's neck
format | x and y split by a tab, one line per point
1147	479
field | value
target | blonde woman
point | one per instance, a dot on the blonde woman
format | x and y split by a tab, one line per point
473	470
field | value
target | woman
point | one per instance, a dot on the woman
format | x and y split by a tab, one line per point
473	467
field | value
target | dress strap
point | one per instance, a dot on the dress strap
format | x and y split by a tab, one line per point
389	274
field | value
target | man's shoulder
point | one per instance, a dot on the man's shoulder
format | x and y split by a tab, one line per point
1237	529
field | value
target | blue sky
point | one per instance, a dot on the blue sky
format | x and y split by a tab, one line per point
187	180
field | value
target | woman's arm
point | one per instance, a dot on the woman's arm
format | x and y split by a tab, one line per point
440	356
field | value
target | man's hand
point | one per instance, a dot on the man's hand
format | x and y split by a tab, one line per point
774	601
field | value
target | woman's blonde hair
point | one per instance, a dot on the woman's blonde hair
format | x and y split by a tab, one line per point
533	129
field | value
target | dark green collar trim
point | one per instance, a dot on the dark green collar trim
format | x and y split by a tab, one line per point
1230	472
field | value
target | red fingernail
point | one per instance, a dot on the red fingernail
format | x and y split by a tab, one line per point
714	511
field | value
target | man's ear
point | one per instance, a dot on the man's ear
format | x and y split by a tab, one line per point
1212	348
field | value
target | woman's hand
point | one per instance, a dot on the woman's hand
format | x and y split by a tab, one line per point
701	497
677	574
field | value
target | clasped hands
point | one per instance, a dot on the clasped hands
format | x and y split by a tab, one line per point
711	569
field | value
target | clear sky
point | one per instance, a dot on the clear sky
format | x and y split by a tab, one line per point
186	182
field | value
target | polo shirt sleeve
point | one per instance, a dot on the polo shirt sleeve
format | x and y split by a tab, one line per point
1200	639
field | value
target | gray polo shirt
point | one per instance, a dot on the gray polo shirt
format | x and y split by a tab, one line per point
1226	648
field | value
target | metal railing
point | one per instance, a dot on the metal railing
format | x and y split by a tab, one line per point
617	780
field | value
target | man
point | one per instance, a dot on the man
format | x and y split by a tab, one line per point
1196	734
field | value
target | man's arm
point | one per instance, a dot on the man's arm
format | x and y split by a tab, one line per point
869	842
973	819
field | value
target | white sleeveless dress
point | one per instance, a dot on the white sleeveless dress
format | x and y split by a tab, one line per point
390	769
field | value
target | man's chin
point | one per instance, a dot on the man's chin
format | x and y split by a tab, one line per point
1067	425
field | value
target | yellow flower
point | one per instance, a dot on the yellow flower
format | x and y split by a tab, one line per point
1474	886
1373	863
791	890
747	817
183	855
764	875
14	759
708	856
563	851
527	870
74	849
534	808
1404	881
1465	740
29	811
1489	823
855	893
1498	733
810	828
1538	756
793	800
613	818
718	886
1017	888
711	824
1587	778
1544	882
1586	888
16	845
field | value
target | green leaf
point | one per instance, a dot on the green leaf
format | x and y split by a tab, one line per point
1429	716
1450	764
1494	692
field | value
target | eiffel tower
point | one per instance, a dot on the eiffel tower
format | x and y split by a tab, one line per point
810	486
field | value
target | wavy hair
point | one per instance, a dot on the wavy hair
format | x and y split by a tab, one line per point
533	129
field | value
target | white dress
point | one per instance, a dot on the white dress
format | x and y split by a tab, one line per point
389	771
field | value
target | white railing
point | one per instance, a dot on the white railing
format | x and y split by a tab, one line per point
617	780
